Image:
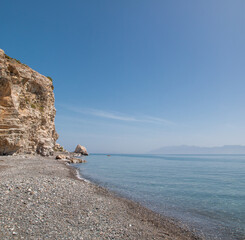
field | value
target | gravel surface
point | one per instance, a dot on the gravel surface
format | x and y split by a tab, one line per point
42	199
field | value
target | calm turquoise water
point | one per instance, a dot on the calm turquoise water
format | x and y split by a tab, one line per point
207	192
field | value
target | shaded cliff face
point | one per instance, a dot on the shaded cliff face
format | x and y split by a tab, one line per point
27	109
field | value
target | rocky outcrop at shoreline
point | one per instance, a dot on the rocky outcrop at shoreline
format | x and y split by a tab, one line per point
27	109
69	159
81	149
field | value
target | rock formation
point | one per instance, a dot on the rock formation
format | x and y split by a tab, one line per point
81	149
27	109
69	159
59	148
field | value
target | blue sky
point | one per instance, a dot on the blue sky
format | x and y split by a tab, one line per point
134	75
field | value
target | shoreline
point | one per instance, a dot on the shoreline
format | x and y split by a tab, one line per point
158	216
158	219
90	211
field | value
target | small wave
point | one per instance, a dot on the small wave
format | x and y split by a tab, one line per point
78	175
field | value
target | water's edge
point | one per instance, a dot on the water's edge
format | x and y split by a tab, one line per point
198	234
97	167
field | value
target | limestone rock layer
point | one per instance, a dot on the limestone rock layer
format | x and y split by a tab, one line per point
27	109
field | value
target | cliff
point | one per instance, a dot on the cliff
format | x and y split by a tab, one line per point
27	109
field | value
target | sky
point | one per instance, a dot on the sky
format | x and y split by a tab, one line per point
135	75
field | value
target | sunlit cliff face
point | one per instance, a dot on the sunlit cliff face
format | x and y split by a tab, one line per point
27	109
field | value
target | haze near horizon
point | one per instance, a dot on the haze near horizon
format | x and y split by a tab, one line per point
132	76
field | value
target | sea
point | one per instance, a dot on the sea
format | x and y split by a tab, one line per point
204	192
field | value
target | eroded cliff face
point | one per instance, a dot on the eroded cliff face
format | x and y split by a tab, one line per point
27	109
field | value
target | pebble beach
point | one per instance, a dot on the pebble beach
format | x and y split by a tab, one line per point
42	198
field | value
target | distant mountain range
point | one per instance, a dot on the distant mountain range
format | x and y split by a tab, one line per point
185	149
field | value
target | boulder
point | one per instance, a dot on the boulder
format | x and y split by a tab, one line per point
69	159
60	157
77	160
81	149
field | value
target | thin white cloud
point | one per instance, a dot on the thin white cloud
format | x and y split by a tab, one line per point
158	120
110	115
118	116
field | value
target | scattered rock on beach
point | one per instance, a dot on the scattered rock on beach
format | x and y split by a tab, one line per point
81	149
77	160
60	157
69	159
